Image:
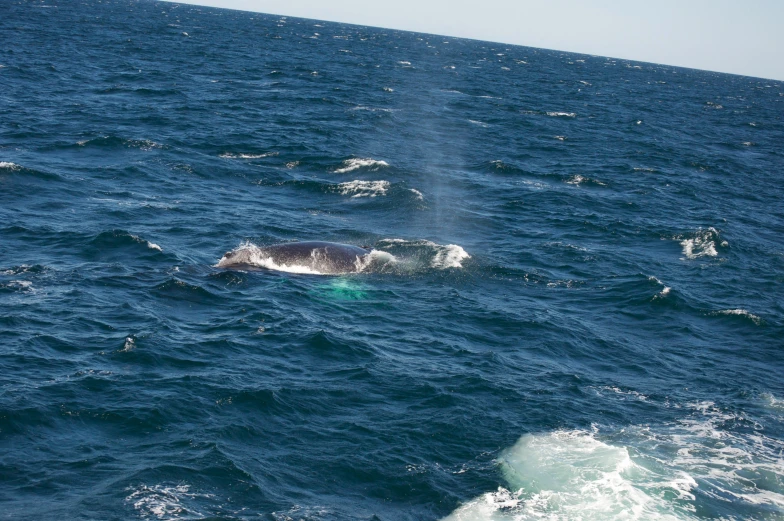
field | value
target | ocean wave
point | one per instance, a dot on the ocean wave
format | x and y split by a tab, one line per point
371	109
646	472
561	114
113	141
106	241
18	285
738	313
231	155
582	180
165	501
349	165
359	188
22	269
701	243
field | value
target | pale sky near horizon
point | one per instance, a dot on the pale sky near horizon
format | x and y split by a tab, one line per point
718	35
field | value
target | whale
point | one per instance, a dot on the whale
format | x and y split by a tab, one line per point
317	257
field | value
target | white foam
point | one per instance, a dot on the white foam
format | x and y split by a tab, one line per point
567	475
560	138
21	284
418	254
561	114
479	123
229	155
417	193
449	256
164	501
647	472
371	109
773	402
702	244
350	165
389	89
375	257
578	180
10	166
739	312
404	63
149	244
359	188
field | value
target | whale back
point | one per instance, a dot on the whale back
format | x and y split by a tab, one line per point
308	256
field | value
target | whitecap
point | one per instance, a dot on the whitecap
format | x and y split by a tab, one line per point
417	193
578	180
560	138
561	114
21	284
450	256
149	244
371	109
231	155
359	188
350	165
10	166
701	244
164	501
739	312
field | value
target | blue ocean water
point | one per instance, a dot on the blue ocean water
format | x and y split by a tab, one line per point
579	313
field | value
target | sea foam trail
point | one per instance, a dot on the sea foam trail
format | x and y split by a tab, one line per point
350	165
637	473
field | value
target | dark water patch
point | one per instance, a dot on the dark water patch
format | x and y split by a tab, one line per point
179	290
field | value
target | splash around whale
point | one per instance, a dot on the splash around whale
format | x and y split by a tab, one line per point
312	257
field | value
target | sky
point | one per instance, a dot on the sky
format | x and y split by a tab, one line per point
739	37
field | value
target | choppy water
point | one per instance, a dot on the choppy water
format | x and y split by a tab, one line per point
583	317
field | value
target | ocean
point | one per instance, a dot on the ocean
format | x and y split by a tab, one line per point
574	309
